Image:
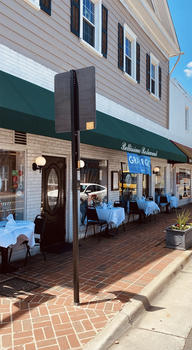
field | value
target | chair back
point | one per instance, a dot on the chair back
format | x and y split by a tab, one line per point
133	207
40	224
118	204
163	199
92	214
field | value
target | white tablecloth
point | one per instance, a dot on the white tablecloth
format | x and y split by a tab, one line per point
173	202
171	199
149	207
114	216
16	234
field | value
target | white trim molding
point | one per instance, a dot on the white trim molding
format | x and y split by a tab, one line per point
151	25
25	68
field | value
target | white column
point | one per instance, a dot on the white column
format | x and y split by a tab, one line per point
139	185
191	182
174	182
167	178
152	186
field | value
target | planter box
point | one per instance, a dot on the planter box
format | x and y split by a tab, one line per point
179	239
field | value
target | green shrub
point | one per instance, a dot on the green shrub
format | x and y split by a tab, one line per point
183	220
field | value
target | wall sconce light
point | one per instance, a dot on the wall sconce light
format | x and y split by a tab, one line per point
81	164
39	163
156	170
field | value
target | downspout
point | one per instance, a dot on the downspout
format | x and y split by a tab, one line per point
178	58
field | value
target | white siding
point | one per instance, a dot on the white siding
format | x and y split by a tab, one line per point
48	41
179	100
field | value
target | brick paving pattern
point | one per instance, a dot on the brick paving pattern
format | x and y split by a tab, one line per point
112	270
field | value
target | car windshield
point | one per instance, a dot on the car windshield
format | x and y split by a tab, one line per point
83	187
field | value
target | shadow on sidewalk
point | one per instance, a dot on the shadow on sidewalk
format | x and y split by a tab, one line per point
23	304
125	297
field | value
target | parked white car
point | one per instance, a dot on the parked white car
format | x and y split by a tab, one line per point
90	189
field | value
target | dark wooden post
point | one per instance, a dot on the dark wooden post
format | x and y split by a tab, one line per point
75	147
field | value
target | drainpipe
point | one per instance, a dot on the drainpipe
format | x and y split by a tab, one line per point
178	58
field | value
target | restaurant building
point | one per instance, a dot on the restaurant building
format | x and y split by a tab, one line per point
132	118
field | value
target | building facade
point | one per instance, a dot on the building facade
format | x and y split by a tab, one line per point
181	132
129	44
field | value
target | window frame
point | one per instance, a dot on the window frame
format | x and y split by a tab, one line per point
97	26
184	173
89	22
155	62
128	34
11	149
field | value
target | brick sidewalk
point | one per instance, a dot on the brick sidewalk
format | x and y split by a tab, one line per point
112	270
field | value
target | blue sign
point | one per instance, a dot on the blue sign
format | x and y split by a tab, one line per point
139	164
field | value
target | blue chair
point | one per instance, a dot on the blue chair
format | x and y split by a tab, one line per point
163	203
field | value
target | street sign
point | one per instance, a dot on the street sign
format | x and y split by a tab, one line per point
75	110
86	100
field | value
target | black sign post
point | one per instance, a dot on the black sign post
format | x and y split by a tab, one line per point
75	148
75	110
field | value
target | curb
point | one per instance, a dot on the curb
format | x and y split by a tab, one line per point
131	310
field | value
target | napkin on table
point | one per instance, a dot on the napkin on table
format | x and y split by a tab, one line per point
10	221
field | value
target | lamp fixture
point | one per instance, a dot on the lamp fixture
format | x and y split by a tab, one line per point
80	164
156	170
39	163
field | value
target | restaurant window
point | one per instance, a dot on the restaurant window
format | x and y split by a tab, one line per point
128	186
11	184
159	182
93	184
183	181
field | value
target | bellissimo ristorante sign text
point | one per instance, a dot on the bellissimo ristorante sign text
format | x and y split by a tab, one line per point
128	147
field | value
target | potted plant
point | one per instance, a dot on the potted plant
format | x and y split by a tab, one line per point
179	236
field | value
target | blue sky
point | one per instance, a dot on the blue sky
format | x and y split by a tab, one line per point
181	12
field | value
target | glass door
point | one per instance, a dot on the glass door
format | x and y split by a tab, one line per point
12	184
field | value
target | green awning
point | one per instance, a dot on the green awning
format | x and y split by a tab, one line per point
117	134
29	108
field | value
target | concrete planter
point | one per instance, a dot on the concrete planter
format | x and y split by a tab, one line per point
178	239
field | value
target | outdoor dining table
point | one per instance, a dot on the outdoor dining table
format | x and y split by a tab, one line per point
149	207
14	233
173	201
114	216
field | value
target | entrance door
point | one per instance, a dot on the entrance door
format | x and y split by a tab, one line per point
53	201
